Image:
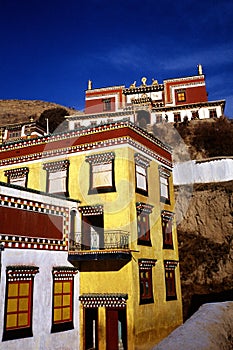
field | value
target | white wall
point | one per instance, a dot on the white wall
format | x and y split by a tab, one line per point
42	338
215	170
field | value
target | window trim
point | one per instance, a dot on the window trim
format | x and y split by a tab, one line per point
143	162
55	167
167	217
143	211
101	159
181	95
146	265
19	275
17	173
169	267
165	174
107	104
177	117
63	274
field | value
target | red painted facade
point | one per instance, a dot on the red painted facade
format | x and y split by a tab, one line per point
95	100
80	141
194	87
30	224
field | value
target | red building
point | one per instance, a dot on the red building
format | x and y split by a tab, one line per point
148	103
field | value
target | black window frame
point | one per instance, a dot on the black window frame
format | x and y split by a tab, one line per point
101	159
143	223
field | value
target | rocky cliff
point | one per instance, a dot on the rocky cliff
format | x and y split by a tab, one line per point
205	235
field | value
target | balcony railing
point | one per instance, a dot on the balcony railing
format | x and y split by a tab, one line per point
105	240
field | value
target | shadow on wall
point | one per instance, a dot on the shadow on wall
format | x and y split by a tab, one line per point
200	299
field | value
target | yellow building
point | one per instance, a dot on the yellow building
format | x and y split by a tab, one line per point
123	235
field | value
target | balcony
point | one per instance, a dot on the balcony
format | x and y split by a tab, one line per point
98	251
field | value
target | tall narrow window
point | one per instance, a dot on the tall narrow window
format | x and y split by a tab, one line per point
145	280
159	118
167	221
195	115
57	177
19	302
170	280
143	223
17	176
141	165
102	177
213	113
164	175
107	104
63	286
177	117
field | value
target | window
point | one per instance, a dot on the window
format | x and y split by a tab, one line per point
181	96
213	113
159	118
14	134
170	280
107	104
164	185
143	223
93	123
141	165
167	220
145	280
17	176
195	115
77	125
177	117
19	302
63	286
57	177
101	172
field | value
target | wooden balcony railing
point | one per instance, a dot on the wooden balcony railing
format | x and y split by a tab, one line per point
105	240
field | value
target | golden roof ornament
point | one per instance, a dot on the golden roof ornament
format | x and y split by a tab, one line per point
143	80
132	86
154	81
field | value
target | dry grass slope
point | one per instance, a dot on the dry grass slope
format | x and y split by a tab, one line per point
17	111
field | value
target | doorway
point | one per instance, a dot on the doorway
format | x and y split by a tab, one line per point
116	329
91	328
92	232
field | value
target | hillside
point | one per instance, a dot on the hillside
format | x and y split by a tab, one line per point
19	111
197	139
205	236
204	213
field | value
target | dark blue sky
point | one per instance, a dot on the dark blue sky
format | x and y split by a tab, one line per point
49	49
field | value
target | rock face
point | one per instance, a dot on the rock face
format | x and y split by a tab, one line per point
210	328
205	235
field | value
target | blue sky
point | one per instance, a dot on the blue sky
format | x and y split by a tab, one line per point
49	49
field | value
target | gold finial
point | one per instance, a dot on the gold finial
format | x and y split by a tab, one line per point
132	86
143	80
154	82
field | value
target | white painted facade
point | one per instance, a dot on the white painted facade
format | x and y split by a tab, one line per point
45	259
42	338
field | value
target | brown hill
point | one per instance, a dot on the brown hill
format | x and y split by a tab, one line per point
19	111
206	244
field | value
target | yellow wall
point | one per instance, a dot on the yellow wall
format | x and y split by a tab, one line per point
147	324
